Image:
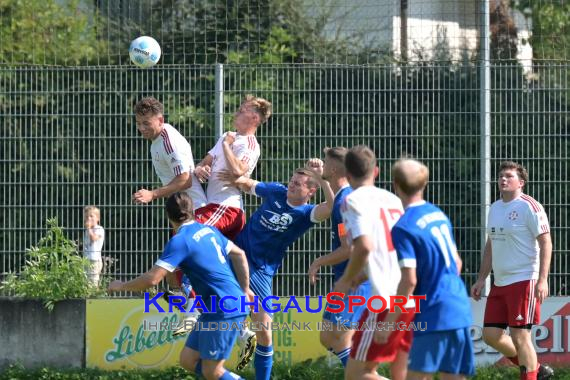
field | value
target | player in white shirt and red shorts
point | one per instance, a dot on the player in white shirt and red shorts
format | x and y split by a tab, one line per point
518	250
369	213
237	153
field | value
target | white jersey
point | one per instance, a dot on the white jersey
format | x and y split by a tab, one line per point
246	149
92	249
171	156
373	212
513	228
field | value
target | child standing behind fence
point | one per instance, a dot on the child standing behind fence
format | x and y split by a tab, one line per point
93	239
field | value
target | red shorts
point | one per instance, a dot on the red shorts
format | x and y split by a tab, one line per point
229	220
365	349
512	305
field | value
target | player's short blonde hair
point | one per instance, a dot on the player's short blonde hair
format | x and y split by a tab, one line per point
410	175
92	210
261	106
311	182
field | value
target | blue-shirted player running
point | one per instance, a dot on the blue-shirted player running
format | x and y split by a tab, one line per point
284	216
339	340
203	254
430	266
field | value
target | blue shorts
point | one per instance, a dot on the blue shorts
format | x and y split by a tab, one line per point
344	318
261	284
449	351
216	344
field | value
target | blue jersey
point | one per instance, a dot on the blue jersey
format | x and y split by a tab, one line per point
423	239
337	229
201	252
273	228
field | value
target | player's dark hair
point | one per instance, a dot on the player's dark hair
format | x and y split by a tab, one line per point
179	208
511	165
149	106
360	162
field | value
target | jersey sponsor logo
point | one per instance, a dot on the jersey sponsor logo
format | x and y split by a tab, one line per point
276	221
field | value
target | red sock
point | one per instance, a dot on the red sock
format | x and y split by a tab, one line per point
531	375
514	360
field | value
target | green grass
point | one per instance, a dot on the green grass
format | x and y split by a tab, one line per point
310	370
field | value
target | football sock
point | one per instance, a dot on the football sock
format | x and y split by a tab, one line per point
528	375
263	362
343	356
514	360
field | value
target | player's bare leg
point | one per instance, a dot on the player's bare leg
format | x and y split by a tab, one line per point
399	366
500	341
358	370
189	358
337	340
526	353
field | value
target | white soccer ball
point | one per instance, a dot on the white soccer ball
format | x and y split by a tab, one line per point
144	51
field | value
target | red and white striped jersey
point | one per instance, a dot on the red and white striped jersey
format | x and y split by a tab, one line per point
171	156
513	228
246	149
373	212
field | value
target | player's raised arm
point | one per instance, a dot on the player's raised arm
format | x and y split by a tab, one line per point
323	210
235	166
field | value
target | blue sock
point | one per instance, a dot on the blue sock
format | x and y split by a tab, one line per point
343	356
263	362
230	376
198	369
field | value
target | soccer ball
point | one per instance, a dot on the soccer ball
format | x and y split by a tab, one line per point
144	51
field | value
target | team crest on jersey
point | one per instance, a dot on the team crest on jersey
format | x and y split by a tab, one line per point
513	215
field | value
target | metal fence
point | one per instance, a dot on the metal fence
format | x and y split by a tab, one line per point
68	139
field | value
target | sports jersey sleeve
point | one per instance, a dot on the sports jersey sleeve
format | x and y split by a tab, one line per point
355	220
537	221
312	215
404	247
263	189
172	255
176	160
212	152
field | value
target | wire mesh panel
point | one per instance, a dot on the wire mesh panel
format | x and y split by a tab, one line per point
401	76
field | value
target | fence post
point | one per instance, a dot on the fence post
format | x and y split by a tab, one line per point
485	126
219	100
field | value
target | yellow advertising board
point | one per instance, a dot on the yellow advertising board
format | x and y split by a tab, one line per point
119	334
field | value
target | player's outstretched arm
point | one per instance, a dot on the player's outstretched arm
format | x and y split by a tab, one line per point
484	271
243	183
337	256
178	183
142	282
361	248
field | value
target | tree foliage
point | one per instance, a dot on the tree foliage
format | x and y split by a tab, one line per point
47	32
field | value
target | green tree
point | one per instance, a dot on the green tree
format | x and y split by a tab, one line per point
47	32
